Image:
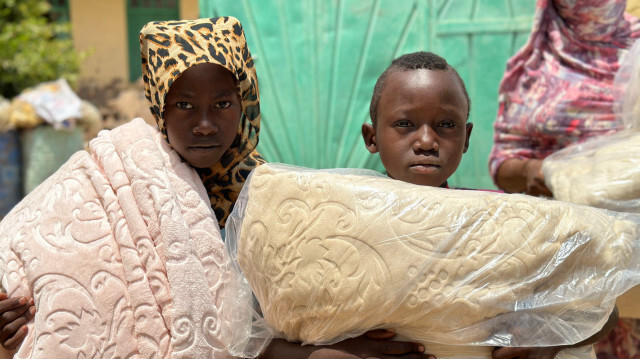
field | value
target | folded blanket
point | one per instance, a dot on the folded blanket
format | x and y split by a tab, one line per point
331	255
602	172
122	253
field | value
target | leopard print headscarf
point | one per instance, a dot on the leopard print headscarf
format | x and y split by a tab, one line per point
171	47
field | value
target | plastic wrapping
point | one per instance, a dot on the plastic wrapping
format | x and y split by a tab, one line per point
604	171
627	88
55	103
333	254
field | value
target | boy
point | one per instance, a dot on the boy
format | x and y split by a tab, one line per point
419	127
419	112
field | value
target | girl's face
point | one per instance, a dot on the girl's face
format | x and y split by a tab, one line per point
202	114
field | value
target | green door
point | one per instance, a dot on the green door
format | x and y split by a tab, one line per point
139	13
318	60
59	10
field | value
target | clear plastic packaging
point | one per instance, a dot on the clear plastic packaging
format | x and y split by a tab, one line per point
331	254
627	88
55	103
604	171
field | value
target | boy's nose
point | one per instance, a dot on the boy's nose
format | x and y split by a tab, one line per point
426	140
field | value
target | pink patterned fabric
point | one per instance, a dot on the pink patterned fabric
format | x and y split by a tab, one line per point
121	252
558	89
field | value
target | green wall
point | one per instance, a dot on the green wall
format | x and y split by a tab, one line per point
318	60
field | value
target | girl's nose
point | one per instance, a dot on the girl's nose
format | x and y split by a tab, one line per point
426	140
205	126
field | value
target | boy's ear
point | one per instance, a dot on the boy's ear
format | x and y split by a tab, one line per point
466	141
369	137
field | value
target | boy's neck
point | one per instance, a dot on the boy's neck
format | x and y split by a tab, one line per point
444	185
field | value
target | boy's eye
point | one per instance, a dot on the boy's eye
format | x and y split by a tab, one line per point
183	105
403	123
447	124
223	104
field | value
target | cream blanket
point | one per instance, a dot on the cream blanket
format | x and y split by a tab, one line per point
122	253
603	172
331	255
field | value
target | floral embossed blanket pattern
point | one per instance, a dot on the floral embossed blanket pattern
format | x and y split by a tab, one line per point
330	255
122	254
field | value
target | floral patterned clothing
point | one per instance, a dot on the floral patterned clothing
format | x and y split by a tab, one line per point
623	342
558	89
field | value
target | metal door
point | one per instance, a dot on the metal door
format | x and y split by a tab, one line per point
139	13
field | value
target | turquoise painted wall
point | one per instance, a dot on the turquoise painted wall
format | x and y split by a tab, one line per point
318	60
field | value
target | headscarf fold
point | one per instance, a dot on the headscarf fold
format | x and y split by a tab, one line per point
171	47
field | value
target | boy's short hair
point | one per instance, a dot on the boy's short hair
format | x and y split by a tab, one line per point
413	61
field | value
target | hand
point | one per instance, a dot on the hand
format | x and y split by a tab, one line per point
15	313
517	175
374	344
551	352
535	179
526	353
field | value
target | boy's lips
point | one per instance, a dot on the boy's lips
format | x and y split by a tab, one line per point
424	166
426	163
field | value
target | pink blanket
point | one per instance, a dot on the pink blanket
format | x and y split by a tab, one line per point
122	253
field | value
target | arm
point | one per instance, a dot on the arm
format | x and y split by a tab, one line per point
15	313
372	344
514	162
550	352
522	175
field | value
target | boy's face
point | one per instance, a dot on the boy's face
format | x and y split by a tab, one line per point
421	130
202	114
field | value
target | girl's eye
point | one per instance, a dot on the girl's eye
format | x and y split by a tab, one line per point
183	105
403	124
223	104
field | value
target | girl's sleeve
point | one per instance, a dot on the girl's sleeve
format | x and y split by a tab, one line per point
510	140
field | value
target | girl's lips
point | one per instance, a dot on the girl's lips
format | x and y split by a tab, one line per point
204	147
